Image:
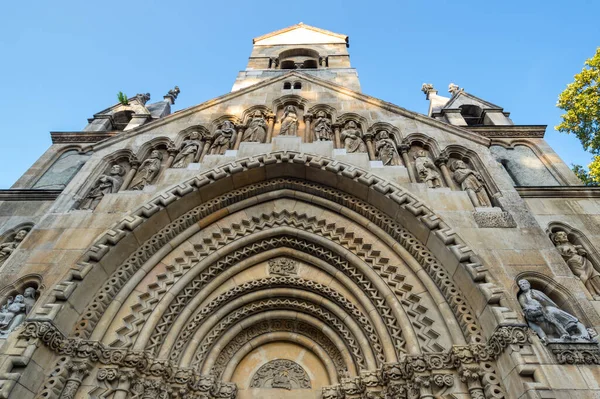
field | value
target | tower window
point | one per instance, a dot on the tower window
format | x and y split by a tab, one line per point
472	114
299	58
287	86
297	85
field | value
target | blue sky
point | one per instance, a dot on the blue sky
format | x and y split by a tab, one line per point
63	61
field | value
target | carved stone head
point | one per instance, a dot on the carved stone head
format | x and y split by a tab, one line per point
321	114
20	235
458	164
29	292
524	285
117	170
420	154
156	154
560	237
351	125
194	135
383	135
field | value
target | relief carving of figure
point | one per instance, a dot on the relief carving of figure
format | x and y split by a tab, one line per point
352	138
8	247
385	150
289	123
188	150
547	319
471	182
322	129
426	170
13	312
257	129
580	265
148	171
106	184
224	139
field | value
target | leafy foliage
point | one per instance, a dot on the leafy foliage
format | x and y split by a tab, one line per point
591	178
122	98
581	101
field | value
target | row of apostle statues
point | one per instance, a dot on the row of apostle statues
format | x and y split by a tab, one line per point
15	309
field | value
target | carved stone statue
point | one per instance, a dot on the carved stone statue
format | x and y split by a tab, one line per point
282	374
148	171
352	138
8	247
471	182
546	319
188	150
580	265
426	170
322	129
224	139
13	312
257	129
104	185
385	150
289	123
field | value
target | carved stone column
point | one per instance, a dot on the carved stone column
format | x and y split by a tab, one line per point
172	151
307	131
471	375
421	386
77	372
270	127
238	137
370	148
442	163
135	164
403	149
125	377
336	132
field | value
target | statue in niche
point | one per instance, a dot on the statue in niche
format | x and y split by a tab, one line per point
471	182
8	247
289	123
224	139
580	265
188	150
257	129
148	171
15	310
385	150
545	317
352	138
104	185
322	129
426	170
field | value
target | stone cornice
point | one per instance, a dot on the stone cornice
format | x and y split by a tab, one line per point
80	137
509	131
28	195
559	192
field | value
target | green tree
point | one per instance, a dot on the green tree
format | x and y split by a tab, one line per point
122	98
581	103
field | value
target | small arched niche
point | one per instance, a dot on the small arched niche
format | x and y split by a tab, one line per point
299	58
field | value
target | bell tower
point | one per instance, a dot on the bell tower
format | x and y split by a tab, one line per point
301	47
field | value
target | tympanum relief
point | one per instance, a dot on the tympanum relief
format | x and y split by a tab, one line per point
578	262
283	267
223	139
14	311
105	184
549	322
353	138
472	182
257	129
322	127
281	374
385	150
8	247
426	170
189	151
289	123
148	171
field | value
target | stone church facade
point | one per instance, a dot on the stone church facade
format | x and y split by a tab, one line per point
296	238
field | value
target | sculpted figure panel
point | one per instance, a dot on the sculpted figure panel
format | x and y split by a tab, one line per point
322	127
148	171
282	374
223	139
471	182
545	317
289	123
14	311
352	138
580	265
426	170
106	184
7	248
188	151
385	150
257	129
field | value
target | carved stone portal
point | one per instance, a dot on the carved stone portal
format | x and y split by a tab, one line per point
281	374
